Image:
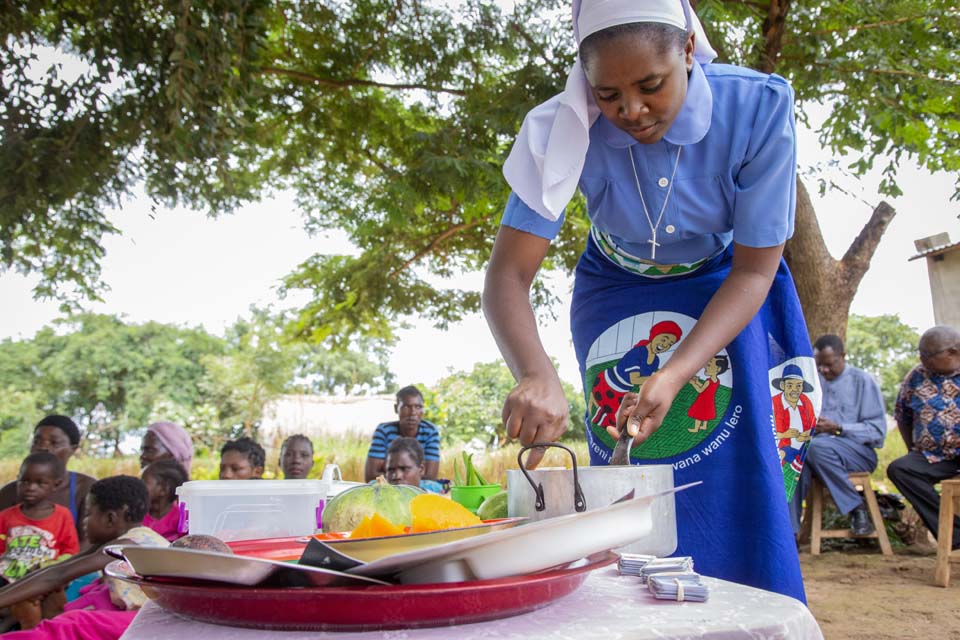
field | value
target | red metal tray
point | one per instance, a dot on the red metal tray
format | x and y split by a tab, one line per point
370	608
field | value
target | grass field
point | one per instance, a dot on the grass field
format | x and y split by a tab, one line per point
349	452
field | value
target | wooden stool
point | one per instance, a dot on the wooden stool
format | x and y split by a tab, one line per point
814	523
949	507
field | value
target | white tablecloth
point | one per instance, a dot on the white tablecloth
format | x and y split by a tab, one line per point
606	607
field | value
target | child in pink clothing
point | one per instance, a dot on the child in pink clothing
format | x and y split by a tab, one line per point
162	479
115	510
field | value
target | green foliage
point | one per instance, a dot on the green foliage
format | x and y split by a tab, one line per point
893	448
163	96
884	347
468	405
255	370
390	121
107	374
17	419
114	377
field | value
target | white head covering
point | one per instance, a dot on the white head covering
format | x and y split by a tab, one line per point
547	157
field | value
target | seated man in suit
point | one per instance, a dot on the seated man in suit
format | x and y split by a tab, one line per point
852	424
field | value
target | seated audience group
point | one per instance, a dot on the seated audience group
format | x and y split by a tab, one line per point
55	522
852	424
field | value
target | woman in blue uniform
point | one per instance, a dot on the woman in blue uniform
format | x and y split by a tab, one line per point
689	173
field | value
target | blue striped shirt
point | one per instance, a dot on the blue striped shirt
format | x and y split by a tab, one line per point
427	435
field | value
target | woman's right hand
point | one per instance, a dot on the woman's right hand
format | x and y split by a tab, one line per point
536	410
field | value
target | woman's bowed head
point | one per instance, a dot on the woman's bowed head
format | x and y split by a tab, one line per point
638	75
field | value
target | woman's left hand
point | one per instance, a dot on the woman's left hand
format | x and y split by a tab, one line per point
650	407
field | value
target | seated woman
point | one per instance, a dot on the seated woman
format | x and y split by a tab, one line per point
166	441
296	457
115	510
405	465
162	479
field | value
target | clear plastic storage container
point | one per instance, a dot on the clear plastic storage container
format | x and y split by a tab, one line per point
249	509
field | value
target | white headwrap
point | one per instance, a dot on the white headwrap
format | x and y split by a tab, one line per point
544	166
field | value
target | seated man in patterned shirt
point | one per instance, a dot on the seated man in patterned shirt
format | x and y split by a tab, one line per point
411	424
928	414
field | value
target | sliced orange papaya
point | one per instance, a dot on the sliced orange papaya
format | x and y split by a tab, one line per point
375	526
431	512
380	526
362	530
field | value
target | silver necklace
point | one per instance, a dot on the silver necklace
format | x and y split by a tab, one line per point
654	227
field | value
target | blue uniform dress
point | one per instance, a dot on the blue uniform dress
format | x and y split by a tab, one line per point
735	182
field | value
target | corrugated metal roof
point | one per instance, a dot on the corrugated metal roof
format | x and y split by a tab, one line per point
933	251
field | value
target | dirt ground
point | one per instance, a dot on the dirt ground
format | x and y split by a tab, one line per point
859	594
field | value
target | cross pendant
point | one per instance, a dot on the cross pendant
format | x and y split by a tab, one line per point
653	247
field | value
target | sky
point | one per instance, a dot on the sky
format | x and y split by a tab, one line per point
182	267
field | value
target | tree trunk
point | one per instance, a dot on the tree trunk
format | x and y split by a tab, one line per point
826	286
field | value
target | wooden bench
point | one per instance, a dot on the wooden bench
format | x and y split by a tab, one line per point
813	520
949	507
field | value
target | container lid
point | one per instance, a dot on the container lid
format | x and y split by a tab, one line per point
253	487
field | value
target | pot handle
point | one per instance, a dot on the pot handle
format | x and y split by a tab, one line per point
579	503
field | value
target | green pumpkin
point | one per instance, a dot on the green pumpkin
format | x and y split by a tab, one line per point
345	511
494	507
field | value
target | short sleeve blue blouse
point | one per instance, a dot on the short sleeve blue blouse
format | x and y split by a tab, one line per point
735	181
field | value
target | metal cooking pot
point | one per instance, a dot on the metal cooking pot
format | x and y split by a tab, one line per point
549	492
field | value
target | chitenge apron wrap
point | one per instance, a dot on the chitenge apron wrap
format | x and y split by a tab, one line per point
740	426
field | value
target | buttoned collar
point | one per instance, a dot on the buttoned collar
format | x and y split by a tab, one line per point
690	125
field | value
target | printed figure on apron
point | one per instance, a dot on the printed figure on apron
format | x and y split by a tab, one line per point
795	411
684	313
631	371
704	408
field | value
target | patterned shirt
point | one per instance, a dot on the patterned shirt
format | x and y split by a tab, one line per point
427	435
929	404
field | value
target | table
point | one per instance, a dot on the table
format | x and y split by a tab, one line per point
607	607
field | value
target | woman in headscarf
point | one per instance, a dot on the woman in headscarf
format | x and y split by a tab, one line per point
689	173
166	441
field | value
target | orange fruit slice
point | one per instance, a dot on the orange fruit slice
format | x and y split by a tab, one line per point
431	512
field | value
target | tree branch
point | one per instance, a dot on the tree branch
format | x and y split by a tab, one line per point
559	71
356	82
750	3
856	260
891	72
384	24
774	27
436	242
877	25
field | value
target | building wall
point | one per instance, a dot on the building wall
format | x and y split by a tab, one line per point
317	415
945	287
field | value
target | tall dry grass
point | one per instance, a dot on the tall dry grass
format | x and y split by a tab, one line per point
349	452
